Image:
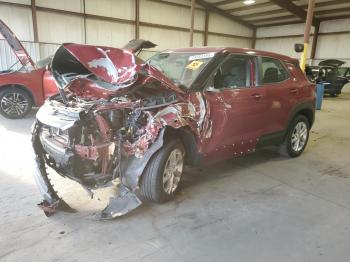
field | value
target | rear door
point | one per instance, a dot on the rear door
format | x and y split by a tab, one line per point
283	92
237	108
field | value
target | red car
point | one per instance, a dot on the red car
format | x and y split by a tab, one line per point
23	88
139	123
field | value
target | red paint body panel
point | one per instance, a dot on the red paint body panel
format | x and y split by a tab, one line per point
38	82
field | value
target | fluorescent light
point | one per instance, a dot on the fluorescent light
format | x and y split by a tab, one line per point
248	2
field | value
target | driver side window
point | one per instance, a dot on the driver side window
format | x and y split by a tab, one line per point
234	73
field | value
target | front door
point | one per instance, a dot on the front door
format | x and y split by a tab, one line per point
236	107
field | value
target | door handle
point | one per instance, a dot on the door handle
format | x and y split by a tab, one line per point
293	91
257	96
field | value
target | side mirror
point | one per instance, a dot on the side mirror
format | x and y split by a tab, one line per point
299	48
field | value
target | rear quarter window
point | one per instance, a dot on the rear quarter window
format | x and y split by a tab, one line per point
273	71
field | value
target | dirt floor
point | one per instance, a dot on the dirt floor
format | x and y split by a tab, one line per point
259	208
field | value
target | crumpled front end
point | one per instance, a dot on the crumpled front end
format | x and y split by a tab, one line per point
101	128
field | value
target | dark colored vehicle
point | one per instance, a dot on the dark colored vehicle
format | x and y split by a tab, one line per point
345	72
26	86
139	123
331	74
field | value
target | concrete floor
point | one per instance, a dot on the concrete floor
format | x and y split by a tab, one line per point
260	208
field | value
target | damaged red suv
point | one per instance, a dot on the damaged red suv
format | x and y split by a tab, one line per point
118	118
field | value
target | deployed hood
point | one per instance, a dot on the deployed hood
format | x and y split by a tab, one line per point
15	45
331	62
103	71
137	45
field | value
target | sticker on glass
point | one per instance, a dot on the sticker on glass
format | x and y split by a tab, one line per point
201	56
194	65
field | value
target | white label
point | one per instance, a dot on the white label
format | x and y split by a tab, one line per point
201	56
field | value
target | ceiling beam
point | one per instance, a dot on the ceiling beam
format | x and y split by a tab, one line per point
294	9
249	7
334	17
213	8
281	11
279	23
225	2
271	19
322	12
333	11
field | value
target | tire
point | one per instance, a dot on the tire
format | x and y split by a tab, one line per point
15	103
334	95
153	187
290	148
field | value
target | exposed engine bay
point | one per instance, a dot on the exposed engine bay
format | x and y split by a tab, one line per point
104	123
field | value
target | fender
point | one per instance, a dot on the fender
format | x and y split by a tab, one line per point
307	107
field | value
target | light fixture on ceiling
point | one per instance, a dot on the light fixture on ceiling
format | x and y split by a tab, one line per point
248	2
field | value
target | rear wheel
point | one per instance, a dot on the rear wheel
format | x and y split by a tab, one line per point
15	103
162	176
296	138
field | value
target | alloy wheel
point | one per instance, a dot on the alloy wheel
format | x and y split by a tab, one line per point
173	171
299	136
14	104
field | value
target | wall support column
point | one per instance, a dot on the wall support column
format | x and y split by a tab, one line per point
314	41
254	38
193	9
206	27
309	20
35	22
137	19
84	16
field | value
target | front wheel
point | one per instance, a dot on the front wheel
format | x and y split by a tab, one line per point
15	103
296	138
162	176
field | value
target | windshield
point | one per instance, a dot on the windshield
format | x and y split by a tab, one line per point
181	67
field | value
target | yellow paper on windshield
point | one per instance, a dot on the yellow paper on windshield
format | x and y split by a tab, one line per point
194	65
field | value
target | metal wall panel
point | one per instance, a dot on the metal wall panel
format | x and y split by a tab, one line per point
159	13
60	28
19	19
328	46
25	2
224	25
47	49
283	46
9	58
120	9
283	30
68	5
165	38
214	40
108	33
335	26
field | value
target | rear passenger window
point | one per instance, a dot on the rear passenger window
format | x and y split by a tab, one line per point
273	71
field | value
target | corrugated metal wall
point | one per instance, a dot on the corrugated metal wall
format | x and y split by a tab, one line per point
328	46
55	28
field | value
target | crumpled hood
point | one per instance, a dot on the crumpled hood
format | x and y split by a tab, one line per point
112	65
117	68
